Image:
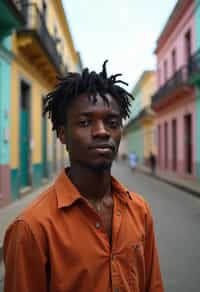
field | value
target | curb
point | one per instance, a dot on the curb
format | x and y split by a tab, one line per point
177	185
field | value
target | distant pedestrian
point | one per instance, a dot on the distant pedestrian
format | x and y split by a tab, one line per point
152	161
133	160
87	232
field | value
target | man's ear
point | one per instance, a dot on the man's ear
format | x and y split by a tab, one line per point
61	135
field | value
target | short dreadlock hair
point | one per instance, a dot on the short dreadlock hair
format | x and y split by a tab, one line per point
91	83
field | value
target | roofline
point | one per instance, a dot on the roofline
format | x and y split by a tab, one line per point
142	76
178	8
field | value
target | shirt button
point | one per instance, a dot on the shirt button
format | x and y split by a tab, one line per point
98	225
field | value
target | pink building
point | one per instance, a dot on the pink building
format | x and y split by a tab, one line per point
175	99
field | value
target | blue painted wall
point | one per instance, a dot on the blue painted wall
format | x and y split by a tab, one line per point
5	72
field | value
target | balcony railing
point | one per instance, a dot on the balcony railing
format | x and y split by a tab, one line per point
179	79
36	24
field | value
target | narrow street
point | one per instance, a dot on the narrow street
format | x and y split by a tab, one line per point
177	221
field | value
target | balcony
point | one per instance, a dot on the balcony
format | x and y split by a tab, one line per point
36	43
176	86
194	69
10	18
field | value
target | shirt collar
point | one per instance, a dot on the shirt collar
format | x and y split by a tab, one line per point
67	193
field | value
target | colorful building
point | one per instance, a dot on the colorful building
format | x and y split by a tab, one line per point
10	19
138	134
195	80
175	101
43	49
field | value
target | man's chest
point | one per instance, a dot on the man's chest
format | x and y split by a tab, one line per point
80	245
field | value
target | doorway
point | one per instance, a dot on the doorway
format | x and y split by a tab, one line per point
188	143
25	163
174	145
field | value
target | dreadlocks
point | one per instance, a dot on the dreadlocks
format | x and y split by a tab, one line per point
91	83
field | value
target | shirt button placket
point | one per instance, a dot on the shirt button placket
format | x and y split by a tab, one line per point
97	225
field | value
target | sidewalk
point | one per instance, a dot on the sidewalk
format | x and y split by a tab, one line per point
185	184
8	213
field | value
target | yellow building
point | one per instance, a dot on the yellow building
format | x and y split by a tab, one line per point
139	131
148	87
43	49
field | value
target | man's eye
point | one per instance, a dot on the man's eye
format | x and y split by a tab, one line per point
114	123
84	123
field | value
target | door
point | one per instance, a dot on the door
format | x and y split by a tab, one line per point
188	143
174	145
24	135
166	144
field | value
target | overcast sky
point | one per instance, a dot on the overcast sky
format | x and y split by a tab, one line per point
125	32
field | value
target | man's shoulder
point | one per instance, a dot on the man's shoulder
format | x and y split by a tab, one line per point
139	204
43	206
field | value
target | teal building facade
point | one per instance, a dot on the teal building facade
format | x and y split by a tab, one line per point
9	20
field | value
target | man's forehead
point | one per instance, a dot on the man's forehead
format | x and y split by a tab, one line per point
84	100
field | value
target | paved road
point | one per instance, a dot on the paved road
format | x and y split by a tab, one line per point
177	221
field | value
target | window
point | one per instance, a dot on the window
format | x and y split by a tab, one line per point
188	49
174	61
165	71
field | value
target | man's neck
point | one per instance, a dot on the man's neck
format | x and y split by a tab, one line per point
92	184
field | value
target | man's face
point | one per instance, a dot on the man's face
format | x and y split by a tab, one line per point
93	132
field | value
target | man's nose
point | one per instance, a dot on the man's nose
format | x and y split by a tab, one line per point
99	130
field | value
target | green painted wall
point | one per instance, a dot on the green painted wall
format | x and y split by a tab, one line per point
14	177
4	105
136	142
36	178
136	104
37	175
197	20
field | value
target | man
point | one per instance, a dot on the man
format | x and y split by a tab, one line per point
87	232
152	160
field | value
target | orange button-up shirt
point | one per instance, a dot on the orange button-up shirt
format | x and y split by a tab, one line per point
59	244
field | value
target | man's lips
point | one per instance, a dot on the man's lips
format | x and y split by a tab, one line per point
102	148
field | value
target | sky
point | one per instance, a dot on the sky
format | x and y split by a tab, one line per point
124	32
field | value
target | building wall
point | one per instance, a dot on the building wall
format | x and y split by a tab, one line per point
24	69
149	139
176	41
148	87
140	134
4	127
136	104
178	110
197	28
136	142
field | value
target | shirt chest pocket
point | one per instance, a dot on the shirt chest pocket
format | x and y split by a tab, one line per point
136	261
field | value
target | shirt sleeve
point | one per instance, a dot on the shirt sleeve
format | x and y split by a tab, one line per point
24	260
154	279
